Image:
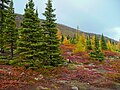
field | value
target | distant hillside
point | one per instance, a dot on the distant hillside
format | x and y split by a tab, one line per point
65	30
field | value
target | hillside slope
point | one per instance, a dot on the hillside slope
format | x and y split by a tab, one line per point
65	30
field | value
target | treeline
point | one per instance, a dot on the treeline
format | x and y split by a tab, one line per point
34	44
93	44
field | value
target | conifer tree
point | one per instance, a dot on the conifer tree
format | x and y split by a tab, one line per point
103	43
3	4
97	45
68	37
10	32
97	54
93	42
72	40
62	38
51	50
30	37
3	9
88	42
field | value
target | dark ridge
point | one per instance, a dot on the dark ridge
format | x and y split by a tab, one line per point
65	30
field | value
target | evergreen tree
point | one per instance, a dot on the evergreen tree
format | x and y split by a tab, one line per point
72	40
3	4
97	45
93	42
3	9
10	32
62	38
51	50
30	38
68	37
103	43
97	54
88	42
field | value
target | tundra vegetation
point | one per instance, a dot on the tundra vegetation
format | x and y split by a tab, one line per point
37	56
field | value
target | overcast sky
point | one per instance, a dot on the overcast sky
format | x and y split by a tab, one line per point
95	16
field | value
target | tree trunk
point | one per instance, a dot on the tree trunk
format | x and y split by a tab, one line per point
11	50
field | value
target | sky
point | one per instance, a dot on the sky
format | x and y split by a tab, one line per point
94	16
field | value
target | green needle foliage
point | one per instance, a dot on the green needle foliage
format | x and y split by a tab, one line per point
62	39
97	54
3	10
10	32
3	4
51	43
30	37
88	42
103	43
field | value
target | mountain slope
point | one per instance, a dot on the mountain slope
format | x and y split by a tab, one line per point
65	30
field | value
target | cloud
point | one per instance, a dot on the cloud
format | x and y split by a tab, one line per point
113	33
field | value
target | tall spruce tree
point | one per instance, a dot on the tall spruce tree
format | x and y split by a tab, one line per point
88	42
10	32
3	9
30	37
103	43
97	45
51	50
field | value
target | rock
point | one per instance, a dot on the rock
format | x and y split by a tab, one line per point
65	63
36	79
62	81
91	65
86	69
42	88
39	77
74	88
22	73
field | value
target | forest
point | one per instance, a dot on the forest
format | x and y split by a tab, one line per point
38	56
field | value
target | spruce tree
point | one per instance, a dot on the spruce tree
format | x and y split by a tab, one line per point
88	42
103	43
3	4
97	54
72	40
62	38
3	9
97	45
68	37
30	37
51	44
10	32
